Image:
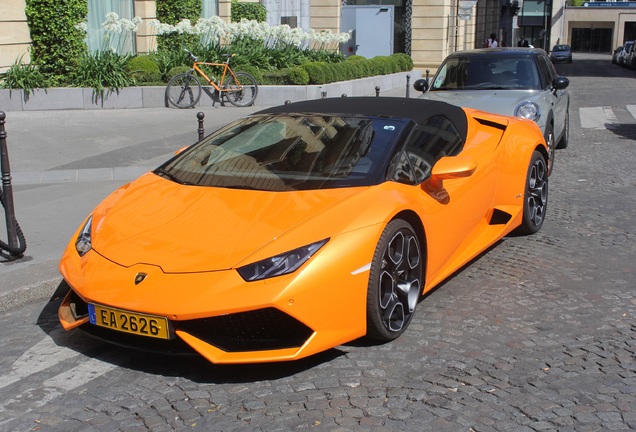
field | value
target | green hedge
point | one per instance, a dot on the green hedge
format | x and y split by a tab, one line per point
289	76
171	12
143	69
357	67
57	43
247	10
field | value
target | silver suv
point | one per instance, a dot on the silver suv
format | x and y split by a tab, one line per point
519	82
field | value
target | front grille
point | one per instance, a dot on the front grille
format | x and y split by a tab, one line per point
263	329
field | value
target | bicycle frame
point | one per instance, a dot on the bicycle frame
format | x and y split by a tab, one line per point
227	70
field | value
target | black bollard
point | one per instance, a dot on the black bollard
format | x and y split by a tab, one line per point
377	91
201	130
287	102
408	79
343	95
428	71
15	247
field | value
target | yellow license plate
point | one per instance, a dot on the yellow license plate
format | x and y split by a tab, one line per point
128	322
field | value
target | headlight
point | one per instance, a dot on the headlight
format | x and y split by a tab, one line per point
83	242
529	110
280	264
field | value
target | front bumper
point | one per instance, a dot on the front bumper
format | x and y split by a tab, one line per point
224	318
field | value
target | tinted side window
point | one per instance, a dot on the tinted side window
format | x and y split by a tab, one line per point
430	142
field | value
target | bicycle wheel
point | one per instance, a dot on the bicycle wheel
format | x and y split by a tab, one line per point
242	91
183	91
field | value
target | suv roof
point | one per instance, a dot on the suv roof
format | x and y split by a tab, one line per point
500	51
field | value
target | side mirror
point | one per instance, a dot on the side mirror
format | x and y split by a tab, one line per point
421	85
560	82
451	167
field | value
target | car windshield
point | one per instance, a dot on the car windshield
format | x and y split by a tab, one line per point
561	48
285	152
485	72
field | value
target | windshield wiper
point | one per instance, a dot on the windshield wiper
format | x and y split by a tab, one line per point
163	172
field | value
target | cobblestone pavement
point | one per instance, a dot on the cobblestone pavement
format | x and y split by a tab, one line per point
537	334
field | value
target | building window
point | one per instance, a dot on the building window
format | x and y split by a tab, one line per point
210	8
96	34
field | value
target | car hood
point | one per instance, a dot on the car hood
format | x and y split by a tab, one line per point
193	229
501	102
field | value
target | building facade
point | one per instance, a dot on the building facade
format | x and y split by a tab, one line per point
427	30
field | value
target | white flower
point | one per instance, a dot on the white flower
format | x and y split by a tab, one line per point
128	25
83	27
166	29
112	16
184	26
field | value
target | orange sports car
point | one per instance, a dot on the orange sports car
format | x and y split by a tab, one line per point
302	227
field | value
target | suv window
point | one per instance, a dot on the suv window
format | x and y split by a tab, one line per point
547	70
485	72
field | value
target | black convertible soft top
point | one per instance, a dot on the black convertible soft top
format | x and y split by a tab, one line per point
417	110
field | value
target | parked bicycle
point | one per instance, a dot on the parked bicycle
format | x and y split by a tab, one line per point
239	88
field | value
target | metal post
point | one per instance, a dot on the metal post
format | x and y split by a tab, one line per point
201	130
7	189
377	91
408	85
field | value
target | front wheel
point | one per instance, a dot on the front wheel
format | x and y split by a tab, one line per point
241	89
535	199
183	91
395	282
563	143
549	141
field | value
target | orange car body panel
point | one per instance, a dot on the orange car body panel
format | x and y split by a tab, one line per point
191	261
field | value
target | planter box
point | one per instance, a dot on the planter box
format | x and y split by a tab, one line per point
153	97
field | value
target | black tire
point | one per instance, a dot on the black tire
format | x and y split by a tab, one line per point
549	140
242	91
535	199
395	282
183	91
565	138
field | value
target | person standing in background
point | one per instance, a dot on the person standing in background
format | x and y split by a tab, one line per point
492	41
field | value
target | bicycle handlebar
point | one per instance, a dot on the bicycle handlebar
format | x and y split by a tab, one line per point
192	56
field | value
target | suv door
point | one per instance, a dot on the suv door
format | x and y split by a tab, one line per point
560	98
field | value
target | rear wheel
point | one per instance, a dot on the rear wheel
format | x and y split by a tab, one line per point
183	91
395	282
536	195
241	89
